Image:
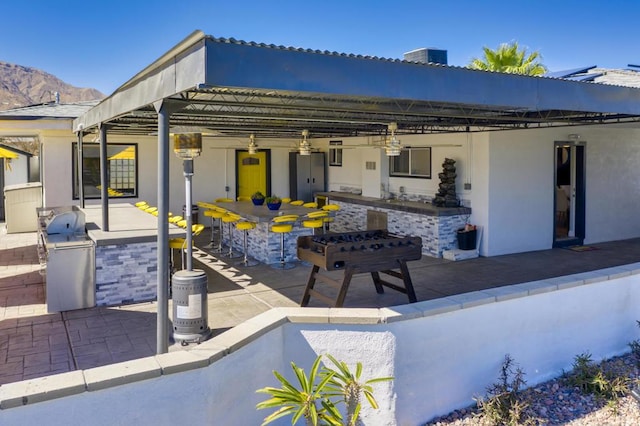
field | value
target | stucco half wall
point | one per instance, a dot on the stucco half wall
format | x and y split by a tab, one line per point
442	353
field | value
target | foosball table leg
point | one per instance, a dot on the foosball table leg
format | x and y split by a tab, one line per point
377	282
406	277
348	274
310	283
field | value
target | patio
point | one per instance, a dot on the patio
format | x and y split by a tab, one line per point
34	343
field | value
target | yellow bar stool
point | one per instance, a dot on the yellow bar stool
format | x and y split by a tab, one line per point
311	205
330	208
215	215
285	200
283	225
297	203
180	244
150	209
141	205
246	226
243	198
224	200
314	220
231	218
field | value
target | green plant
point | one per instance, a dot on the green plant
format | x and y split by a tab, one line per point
347	386
316	402
274	199
257	195
591	378
504	404
301	402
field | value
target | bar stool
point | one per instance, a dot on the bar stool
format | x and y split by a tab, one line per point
180	243
297	203
311	205
315	219
224	200
285	200
246	226
231	218
243	198
150	209
283	225
214	214
141	205
331	208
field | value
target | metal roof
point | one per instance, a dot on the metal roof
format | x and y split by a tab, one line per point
235	88
49	110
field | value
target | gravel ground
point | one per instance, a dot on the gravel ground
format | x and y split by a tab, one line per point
556	403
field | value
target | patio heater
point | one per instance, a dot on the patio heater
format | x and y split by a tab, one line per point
189	286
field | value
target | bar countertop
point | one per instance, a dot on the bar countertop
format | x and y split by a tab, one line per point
396	204
249	211
127	224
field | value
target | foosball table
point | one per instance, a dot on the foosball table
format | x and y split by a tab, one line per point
373	252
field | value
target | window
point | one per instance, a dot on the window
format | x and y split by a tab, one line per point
335	154
122	174
412	162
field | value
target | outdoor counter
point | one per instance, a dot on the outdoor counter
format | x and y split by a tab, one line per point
263	245
126	255
436	226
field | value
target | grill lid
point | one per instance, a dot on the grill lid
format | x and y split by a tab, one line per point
65	220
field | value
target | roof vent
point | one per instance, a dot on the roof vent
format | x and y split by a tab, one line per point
427	55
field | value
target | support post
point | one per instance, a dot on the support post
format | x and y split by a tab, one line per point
80	167
162	331
104	178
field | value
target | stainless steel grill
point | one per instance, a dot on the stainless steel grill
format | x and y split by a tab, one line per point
68	255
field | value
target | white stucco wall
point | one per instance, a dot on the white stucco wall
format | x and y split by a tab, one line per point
441	353
16	170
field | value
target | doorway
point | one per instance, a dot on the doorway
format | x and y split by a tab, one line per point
569	194
253	172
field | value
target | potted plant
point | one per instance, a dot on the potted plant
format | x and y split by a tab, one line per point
273	202
257	198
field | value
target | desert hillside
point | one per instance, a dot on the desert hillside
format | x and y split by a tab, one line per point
21	86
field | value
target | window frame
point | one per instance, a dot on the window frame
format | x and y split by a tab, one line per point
130	174
335	154
408	174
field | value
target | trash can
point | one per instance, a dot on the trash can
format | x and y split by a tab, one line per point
194	213
467	239
189	294
20	203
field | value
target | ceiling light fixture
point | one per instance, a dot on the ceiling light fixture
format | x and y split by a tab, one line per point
305	147
253	148
392	147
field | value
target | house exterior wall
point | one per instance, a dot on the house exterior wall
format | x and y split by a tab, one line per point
16	170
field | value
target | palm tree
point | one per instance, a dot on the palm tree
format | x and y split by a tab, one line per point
508	58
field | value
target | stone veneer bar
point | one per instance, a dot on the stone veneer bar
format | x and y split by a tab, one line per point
436	226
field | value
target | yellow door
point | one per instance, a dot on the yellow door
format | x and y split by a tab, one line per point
252	173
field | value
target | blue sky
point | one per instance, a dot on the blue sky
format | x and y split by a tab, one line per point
101	44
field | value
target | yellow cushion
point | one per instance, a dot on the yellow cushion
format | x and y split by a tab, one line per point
245	226
286	200
315	223
285	218
318	214
224	200
282	228
230	217
310	205
214	214
331	207
297	203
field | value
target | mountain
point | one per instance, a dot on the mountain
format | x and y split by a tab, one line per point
22	86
